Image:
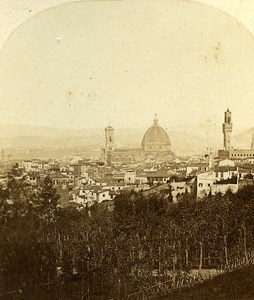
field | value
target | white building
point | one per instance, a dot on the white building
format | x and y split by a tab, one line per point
226	162
204	183
220	180
94	194
179	188
129	176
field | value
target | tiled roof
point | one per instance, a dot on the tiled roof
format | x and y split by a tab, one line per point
225	169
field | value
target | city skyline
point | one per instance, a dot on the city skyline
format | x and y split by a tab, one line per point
142	63
127	149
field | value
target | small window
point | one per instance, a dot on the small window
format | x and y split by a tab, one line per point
200	185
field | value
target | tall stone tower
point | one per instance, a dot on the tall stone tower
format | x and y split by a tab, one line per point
227	127
109	138
109	143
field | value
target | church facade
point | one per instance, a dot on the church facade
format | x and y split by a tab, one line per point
155	147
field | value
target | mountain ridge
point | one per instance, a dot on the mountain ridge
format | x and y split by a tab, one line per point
189	141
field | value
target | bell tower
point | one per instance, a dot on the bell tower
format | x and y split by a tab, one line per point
227	127
109	138
109	143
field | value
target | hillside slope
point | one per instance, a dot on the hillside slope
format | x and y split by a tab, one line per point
231	286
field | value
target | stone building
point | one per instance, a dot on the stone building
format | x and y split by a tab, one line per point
155	147
227	128
220	180
228	151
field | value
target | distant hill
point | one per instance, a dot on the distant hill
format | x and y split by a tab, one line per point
188	139
243	139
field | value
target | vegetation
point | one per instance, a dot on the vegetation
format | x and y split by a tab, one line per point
230	286
47	252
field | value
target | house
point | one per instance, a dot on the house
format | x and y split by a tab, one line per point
245	170
225	172
219	180
129	176
116	187
181	187
94	194
226	162
157	178
196	167
204	183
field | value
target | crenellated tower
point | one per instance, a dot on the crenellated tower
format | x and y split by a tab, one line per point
227	127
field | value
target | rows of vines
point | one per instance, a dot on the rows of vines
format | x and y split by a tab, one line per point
48	252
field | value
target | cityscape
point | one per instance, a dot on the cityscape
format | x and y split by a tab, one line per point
126	150
124	184
82	181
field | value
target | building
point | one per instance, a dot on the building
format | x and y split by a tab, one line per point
228	151
220	180
227	128
155	146
129	176
179	188
157	178
195	168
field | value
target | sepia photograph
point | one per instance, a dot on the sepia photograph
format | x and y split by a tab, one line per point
126	149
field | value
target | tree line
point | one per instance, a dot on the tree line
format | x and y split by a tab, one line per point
48	252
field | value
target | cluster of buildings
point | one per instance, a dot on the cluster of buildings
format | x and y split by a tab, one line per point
232	167
228	150
82	182
151	169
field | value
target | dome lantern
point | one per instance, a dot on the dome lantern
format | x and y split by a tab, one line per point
155	120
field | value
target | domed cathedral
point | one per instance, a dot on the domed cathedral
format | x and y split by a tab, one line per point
156	141
155	147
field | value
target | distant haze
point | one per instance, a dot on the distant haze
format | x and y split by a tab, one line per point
91	140
82	64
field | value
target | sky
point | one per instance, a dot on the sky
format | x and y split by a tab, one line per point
83	64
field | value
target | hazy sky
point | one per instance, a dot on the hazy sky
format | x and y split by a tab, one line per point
78	64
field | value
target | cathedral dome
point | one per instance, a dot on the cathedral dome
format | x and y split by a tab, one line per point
156	138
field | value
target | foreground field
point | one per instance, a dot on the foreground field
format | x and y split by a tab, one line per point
232	286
